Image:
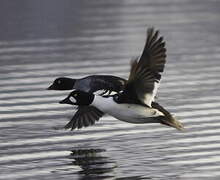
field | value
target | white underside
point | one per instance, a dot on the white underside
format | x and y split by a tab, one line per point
126	112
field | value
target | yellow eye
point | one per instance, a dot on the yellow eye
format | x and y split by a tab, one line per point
75	95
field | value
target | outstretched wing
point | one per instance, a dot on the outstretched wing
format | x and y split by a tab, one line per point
85	116
154	53
145	74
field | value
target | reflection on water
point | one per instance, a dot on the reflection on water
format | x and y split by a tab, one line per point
93	164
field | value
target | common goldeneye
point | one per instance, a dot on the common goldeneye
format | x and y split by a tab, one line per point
135	104
90	84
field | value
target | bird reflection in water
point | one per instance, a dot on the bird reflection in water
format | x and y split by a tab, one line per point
93	164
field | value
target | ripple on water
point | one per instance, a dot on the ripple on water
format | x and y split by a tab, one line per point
99	37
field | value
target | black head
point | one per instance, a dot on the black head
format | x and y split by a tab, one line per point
62	83
78	98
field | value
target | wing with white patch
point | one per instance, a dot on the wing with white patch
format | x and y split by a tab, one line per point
85	116
145	74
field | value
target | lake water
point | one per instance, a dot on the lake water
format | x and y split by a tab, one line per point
42	40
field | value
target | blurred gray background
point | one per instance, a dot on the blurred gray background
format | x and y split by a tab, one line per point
42	40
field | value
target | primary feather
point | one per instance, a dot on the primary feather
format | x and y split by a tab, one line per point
85	116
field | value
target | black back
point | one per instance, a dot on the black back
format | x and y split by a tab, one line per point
106	82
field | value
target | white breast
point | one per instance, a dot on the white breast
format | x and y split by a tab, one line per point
126	112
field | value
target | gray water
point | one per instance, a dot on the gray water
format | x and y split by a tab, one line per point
42	40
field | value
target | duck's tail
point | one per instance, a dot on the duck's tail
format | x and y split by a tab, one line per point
173	122
168	119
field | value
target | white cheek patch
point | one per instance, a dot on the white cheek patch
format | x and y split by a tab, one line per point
72	99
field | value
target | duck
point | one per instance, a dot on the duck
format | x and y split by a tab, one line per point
91	84
136	102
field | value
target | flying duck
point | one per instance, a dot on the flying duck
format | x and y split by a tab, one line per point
136	103
90	84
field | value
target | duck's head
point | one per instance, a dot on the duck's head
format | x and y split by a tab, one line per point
78	98
62	83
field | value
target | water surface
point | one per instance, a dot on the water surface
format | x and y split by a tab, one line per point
40	41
